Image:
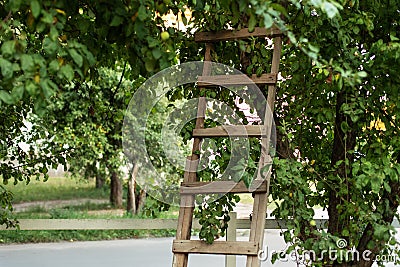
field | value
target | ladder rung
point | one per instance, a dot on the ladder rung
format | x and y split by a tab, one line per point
227	35
218	247
231	131
219	187
238	79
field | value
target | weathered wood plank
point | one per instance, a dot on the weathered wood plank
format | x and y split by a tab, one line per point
218	247
139	224
231	131
218	187
236	35
96	224
237	79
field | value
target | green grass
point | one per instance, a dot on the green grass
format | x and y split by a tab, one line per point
10	237
56	189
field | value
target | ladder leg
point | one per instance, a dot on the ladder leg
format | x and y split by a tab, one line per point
186	210
257	226
261	199
187	201
184	229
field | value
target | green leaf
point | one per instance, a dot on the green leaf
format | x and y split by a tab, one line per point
375	185
313	48
54	65
393	38
89	56
140	29
8	48
362	74
26	62
15	5
330	10
35	7
252	22
53	33
6	68
31	87
280	9
18	92
47	90
76	57
156	53
67	72
116	21
47	18
49	46
345	232
152	42
268	21
292	37
142	13
6	97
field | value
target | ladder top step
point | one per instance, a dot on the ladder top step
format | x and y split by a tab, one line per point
227	35
232	131
220	187
238	79
218	247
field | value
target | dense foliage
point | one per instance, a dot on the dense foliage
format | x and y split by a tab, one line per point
337	106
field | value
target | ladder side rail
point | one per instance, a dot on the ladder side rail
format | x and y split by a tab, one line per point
261	199
187	201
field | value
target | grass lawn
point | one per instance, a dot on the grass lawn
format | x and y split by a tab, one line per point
56	189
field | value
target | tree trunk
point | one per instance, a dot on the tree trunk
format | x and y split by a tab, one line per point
99	181
116	190
342	143
140	200
131	206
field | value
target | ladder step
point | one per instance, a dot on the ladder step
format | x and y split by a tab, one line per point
219	187
232	131
236	35
218	247
238	79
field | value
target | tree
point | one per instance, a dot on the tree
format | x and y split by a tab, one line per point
49	48
91	126
91	123
337	105
337	134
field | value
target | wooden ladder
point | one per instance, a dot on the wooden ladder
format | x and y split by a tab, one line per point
182	245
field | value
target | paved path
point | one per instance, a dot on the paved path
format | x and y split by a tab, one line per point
50	204
154	252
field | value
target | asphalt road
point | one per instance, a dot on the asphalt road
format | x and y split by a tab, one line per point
154	252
